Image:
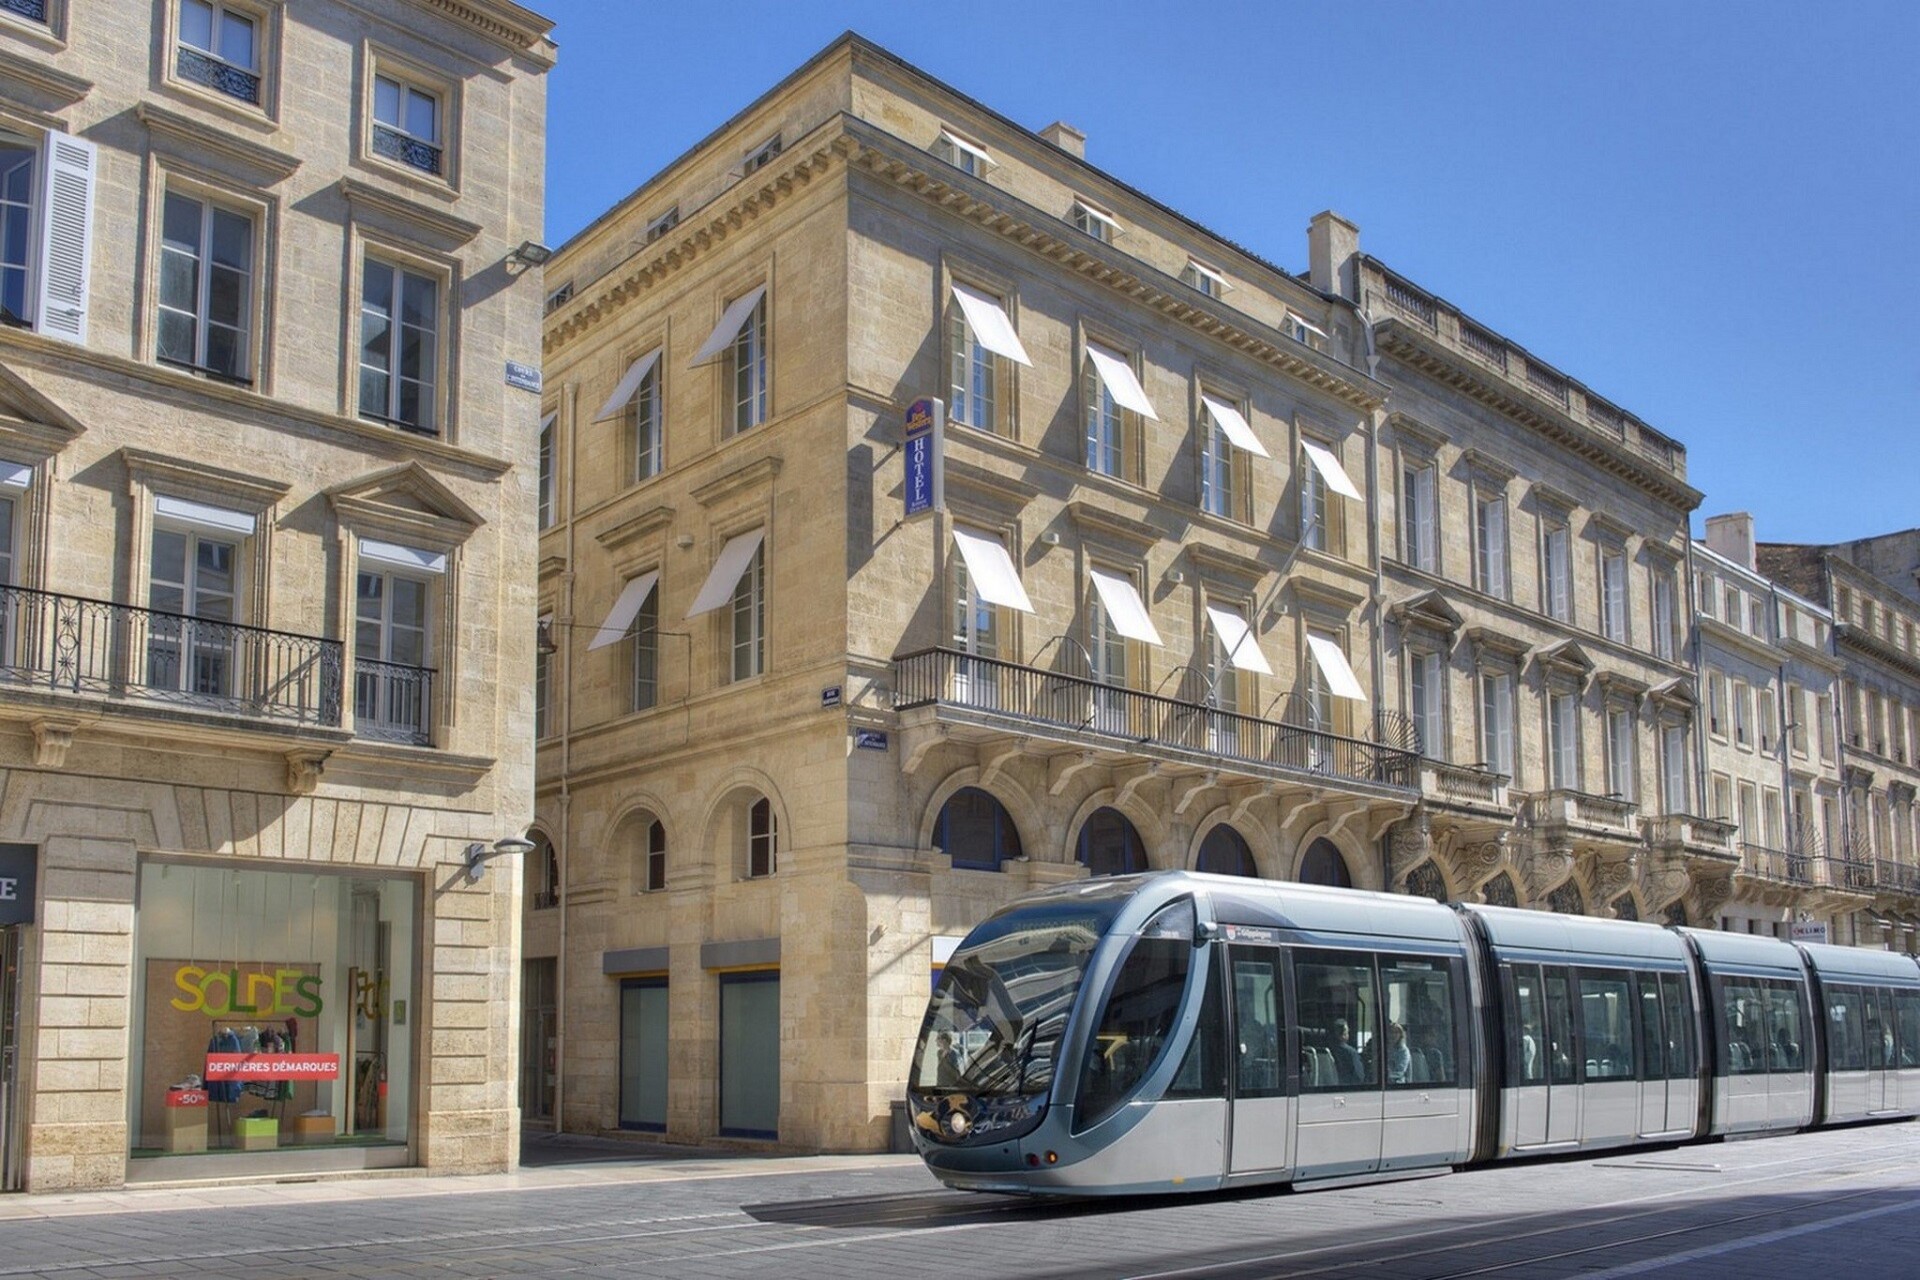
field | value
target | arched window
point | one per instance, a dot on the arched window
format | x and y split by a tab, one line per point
1425	881
1566	900
1626	908
1224	853
763	839
1676	914
656	869
543	872
1324	864
1500	892
1110	846
976	831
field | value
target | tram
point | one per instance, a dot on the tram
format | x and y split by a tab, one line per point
1180	1032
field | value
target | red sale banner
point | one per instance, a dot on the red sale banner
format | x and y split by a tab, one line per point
186	1097
273	1066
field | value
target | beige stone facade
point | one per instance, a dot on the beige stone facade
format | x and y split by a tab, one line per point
1210	588
268	625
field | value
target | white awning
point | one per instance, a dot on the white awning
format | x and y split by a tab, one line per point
1333	665
15	475
1234	425
1124	607
1201	269
630	382
992	571
1296	318
405	557
1330	469
989	322
625	609
1118	376
549	420
729	327
974	149
1242	650
200	514
733	561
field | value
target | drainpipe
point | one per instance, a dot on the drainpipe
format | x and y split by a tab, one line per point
566	789
1697	655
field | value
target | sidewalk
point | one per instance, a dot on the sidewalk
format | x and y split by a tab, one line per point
547	1162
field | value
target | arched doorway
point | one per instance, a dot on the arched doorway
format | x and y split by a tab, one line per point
1325	864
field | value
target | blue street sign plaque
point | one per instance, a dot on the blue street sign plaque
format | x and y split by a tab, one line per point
926	423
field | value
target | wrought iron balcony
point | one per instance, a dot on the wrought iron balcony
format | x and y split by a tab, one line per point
1020	698
221	77
1778	866
392	702
1896	877
33	10
408	150
1854	874
72	645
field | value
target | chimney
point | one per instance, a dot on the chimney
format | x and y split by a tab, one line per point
1731	535
1332	245
1067	138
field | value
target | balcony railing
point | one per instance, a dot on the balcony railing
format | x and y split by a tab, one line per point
219	75
408	150
35	10
1131	719
1896	876
1577	808
1777	865
1846	873
393	702
1463	787
69	644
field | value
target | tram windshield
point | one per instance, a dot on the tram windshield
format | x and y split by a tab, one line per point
996	1019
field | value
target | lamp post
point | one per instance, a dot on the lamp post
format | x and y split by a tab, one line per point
478	854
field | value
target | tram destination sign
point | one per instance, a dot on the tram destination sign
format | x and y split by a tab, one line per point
18	865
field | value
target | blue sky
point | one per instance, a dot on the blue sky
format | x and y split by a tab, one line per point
1706	212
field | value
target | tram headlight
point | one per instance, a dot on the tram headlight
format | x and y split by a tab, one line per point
958	1124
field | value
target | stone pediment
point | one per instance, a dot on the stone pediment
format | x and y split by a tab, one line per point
406	500
1430	610
1496	644
1566	658
30	422
1677	693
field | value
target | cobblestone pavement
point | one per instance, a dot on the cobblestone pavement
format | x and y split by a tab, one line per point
1841	1202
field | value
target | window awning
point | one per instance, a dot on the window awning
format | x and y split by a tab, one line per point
549	420
15	475
1296	318
1330	469
992	571
405	557
197	513
630	382
1235	425
974	149
1333	665
989	322
1117	374
729	327
625	609
1242	650
1124	607
733	561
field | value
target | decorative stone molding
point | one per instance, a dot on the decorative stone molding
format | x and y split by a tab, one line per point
1663	881
51	739
304	769
1410	843
1544	869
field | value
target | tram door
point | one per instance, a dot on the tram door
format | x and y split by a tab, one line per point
1653	1057
1261	1109
1879	1044
1337	1008
1543	1083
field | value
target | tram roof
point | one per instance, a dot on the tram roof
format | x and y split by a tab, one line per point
1516	929
1323	909
1746	950
1861	964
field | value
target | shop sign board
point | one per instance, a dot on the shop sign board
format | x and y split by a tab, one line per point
273	1066
1809	931
926	428
18	863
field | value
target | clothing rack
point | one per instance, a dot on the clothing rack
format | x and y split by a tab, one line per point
277	1102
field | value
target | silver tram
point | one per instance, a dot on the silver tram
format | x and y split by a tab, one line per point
1186	1032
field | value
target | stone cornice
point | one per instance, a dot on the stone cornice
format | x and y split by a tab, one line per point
58	85
1870	645
1430	356
183	136
653	520
250	493
1728	637
760	471
1226	567
441	229
509	25
1101	526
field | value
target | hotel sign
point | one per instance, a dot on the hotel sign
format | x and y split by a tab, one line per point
926	431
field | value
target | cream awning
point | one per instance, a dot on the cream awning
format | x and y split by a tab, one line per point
1117	374
1125	609
733	561
992	571
1237	639
625	609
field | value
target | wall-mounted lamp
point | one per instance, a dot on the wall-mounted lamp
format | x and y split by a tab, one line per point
543	641
529	253
1176	577
478	854
1050	538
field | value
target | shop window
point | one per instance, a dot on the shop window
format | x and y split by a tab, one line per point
1225	853
1109	845
643	1054
750	1055
976	831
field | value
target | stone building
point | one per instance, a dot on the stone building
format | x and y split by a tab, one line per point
1872	587
267	643
1768	679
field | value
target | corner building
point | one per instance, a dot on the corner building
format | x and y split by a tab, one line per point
1203	593
267	637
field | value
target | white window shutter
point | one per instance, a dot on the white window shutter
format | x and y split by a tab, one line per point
66	245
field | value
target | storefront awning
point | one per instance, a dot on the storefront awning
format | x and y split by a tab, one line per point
625	609
729	327
1333	665
1234	425
1117	374
733	561
1235	637
1330	469
630	382
989	322
1124	607
992	571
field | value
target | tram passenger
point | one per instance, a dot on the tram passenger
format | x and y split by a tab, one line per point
1399	1057
948	1069
1346	1058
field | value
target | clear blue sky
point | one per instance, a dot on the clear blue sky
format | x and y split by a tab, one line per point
1706	212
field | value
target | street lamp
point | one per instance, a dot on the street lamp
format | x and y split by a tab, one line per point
479	854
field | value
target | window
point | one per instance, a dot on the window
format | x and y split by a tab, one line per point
1110	392
406	124
219	48
661	224
749	644
750	1055
544	511
1717	704
1322	520
1204	278
1107	648
18	163
644	1037
1563	728
1337	1013
543	681
1735	612
745	368
1795	730
558	298
655	878
391	683
1620	753
206	287
761	156
1109	846
1222	485
968	157
1420	1044
1742	714
1673	767
1426	690
1557	569
1766	721
193	591
1663	615
647	442
1099	225
1607	1015
763	839
1749	813
1823	724
1419	521
1496	722
399	334
1134	1020
1224	852
976	831
1490	543
1613	595
1722	798
643	635
1773	818
974	388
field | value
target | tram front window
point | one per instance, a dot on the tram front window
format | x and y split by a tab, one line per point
1142	1008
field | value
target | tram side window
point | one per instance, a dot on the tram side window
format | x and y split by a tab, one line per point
1653	1038
1139	1016
1338	1014
1906	1005
1786	1038
1673	995
1528	1048
1256	1011
1846	1043
1560	1044
1606	1015
1203	1072
1879	1035
1418	1041
1743	1045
